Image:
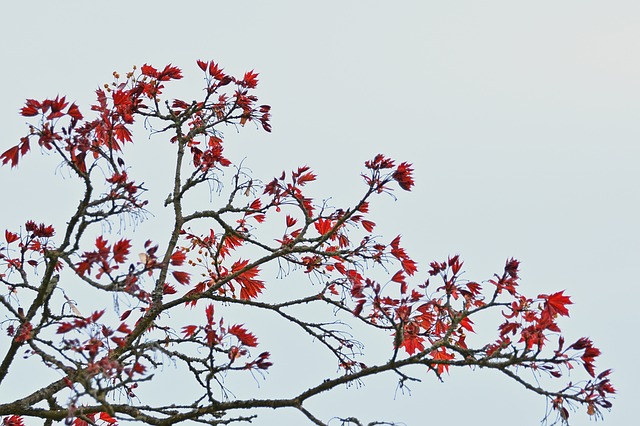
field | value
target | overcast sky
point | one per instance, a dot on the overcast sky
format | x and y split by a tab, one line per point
521	119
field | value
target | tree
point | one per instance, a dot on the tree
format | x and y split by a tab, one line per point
170	303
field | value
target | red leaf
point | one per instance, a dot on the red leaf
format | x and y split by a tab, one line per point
466	324
442	355
182	277
403	176
96	315
124	328
245	337
398	277
290	221
105	417
556	303
307	177
13	421
216	72
189	330
250	79
74	112
178	258
170	72
202	64
122	134
250	289
368	225
412	343
149	70
65	327
121	250
10	237
209	314
11	155
323	226
31	108
409	266
169	289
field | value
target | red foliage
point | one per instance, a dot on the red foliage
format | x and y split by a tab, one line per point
220	251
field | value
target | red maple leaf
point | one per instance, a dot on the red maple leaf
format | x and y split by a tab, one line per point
441	355
368	225
121	250
189	330
412	343
11	155
403	175
178	258
105	417
31	108
250	79
10	237
13	421
245	337
182	277
149	71
555	304
323	226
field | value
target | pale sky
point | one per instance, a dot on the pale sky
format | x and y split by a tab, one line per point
521	120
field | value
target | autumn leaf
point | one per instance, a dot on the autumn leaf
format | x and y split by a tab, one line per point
442	355
209	314
398	277
121	250
412	343
290	221
10	237
170	73
11	155
466	323
148	70
182	277
169	289
245	337
323	226
105	417
555	304
178	258
250	79
74	112
202	64
403	175
368	225
189	330
13	421
31	108
250	287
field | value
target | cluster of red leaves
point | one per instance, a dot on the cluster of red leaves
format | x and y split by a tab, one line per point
235	340
30	246
80	141
215	249
403	173
216	78
106	257
284	191
211	157
441	320
93	419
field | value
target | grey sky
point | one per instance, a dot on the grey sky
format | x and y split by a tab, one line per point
521	119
